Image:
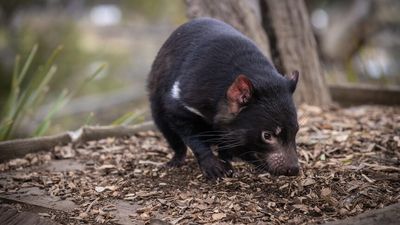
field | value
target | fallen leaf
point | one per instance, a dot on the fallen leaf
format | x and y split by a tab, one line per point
326	192
218	216
308	181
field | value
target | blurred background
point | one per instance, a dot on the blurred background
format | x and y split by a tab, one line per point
85	62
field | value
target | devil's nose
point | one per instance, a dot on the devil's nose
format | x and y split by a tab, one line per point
293	171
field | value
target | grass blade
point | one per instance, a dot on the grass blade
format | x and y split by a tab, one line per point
58	104
27	64
88	79
62	100
129	117
22	101
89	118
28	97
10	104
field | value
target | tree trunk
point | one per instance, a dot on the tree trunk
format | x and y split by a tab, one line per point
243	15
284	35
294	48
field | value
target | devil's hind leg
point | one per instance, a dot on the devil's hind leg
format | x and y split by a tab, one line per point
173	139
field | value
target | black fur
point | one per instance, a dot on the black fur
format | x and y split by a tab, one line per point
206	56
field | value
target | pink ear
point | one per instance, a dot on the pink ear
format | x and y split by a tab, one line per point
239	93
295	76
293	80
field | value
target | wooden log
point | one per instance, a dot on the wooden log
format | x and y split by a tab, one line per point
11	216
389	215
20	147
351	94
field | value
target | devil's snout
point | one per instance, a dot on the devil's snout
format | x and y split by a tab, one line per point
283	164
292	170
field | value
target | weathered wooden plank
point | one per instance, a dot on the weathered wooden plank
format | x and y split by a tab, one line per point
38	197
389	215
122	214
10	216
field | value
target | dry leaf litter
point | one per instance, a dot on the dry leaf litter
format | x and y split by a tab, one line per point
349	157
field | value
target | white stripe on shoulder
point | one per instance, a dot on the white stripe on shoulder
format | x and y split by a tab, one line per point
176	94
175	91
193	110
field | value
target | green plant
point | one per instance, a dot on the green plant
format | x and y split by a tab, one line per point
26	95
130	118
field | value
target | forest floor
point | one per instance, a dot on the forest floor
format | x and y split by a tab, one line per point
350	159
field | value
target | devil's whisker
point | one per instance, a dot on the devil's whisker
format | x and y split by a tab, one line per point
248	152
230	146
222	143
221	139
214	132
205	135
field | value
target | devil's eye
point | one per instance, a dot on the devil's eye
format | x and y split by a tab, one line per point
266	136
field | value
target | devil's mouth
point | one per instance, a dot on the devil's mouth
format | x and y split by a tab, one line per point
260	162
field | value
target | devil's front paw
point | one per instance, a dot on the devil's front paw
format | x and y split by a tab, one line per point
214	168
176	161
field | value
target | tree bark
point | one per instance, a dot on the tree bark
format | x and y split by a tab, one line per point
294	48
284	35
243	15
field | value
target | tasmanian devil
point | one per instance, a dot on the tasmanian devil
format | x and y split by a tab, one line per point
211	88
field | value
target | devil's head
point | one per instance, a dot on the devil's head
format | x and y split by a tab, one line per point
261	123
